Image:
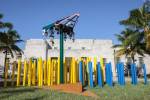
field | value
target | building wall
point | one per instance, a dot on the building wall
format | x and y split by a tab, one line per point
79	48
35	48
2	56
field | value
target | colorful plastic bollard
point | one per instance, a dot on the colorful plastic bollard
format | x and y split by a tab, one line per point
58	71
65	72
45	72
73	71
19	72
144	72
30	72
49	71
99	75
33	72
90	74
109	76
133	74
81	72
40	72
120	73
103	69
13	73
95	70
25	73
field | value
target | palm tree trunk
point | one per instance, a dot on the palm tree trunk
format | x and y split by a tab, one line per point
147	37
148	42
5	61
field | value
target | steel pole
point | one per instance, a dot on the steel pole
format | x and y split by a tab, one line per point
61	56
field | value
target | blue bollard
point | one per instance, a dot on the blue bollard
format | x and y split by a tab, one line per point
118	72
144	72
106	73
90	74
133	74
99	75
81	72
122	74
135	69
109	77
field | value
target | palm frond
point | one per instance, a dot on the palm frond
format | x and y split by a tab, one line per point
120	52
1	16
8	25
16	49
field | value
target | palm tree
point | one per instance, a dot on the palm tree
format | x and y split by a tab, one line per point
131	43
139	19
9	39
5	25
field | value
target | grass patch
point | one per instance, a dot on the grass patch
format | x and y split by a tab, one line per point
127	92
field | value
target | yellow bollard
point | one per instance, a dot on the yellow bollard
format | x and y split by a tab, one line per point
65	72
41	72
13	73
77	70
58	71
88	60
33	72
30	72
103	69
73	71
55	71
52	72
38	72
6	74
24	73
19	72
83	70
49	71
45	72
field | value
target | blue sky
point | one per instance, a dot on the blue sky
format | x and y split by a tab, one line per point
98	18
